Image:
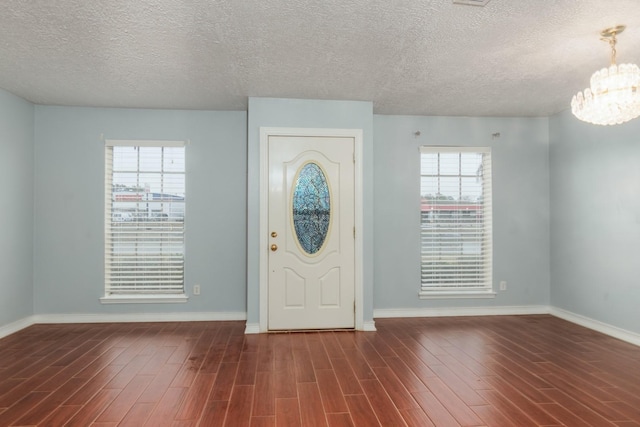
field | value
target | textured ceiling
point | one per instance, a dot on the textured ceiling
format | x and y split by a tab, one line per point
426	57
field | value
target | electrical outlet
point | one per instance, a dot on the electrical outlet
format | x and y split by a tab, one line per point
196	289
503	285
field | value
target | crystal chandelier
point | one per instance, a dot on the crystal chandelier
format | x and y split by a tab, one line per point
614	95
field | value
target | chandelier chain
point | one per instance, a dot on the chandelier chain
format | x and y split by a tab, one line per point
611	39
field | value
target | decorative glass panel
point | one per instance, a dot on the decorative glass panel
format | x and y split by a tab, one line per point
311	208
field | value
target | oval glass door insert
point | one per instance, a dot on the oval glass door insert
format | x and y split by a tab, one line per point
311	208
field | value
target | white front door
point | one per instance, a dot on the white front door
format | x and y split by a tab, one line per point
311	209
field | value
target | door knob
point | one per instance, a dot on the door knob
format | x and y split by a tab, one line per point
274	248
274	234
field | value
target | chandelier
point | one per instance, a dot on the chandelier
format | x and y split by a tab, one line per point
614	95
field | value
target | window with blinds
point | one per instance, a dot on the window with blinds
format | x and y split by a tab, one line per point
144	218
455	224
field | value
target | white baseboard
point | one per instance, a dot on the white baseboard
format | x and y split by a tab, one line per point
596	325
139	317
461	311
369	326
252	328
14	327
18	325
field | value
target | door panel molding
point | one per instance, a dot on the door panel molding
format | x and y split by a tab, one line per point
357	136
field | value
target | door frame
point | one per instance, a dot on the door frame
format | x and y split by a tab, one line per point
265	134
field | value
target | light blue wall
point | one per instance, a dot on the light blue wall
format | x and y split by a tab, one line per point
553	177
271	112
69	208
595	227
520	169
16	208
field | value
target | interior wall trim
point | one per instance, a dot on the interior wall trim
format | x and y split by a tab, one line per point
252	328
16	326
461	311
596	325
369	326
139	317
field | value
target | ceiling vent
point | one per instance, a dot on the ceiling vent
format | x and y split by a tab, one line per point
471	2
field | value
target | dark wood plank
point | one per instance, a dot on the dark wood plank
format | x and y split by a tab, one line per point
21	407
117	410
214	413
269	421
157	361
331	345
159	384
340	420
240	404
519	400
164	411
332	398
493	416
410	381
415	417
223	383
196	397
264	401
516	414
137	415
346	377
319	357
582	411
89	412
247	369
283	365
38	382
361	411
401	398
61	415
303	366
40	411
382	405
288	413
126	374
311	410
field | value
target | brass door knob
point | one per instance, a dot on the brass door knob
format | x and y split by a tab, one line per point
274	248
274	234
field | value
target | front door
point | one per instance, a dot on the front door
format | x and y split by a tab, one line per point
311	283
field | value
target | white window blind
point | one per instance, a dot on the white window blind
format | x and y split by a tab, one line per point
456	225
144	217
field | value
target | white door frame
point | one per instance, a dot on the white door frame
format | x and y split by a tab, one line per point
265	133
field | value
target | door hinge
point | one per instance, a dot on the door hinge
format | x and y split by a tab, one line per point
354	232
354	157
354	306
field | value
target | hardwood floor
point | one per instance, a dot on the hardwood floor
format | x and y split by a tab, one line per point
472	371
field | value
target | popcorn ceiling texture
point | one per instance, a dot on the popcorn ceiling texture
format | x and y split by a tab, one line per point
427	57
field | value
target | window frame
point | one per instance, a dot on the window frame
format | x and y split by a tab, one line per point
485	288
159	296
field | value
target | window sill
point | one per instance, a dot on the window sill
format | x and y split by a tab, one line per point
456	295
144	299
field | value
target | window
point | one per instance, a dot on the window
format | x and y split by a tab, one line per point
144	221
455	224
